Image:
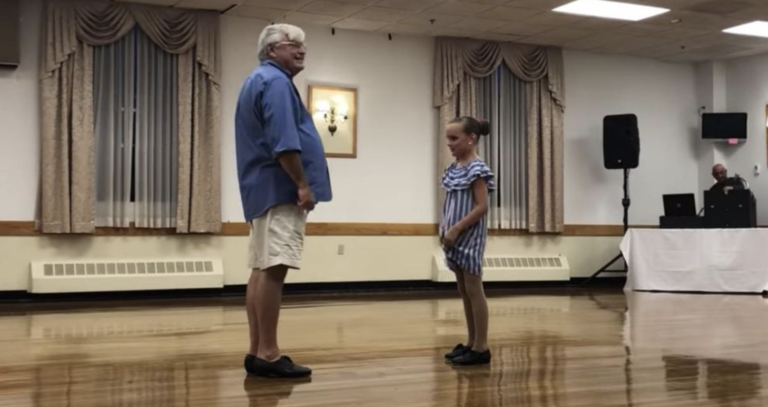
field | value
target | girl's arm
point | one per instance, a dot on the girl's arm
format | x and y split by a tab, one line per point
480	192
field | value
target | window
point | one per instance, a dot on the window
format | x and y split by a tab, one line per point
136	133
501	101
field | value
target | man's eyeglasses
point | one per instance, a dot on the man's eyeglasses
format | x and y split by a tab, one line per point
293	44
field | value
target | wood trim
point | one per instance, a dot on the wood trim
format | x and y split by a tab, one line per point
132	230
599	230
17	228
27	228
512	232
575	230
372	229
348	229
235	229
593	230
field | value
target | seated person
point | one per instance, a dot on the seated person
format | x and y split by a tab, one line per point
724	183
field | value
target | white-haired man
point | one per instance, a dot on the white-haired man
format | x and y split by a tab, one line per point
282	173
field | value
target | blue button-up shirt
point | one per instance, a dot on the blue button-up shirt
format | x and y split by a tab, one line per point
271	120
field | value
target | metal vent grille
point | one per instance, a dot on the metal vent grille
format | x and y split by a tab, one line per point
511	267
522	262
125	275
126	268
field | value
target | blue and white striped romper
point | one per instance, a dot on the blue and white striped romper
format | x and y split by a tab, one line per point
467	254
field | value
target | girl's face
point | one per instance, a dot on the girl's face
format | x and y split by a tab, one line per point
461	144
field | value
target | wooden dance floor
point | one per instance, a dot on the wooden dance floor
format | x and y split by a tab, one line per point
549	349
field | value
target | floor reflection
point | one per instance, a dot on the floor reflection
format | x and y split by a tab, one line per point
681	376
711	346
708	326
603	350
532	375
270	393
721	381
139	384
730	381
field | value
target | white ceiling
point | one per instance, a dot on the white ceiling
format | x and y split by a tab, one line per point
697	36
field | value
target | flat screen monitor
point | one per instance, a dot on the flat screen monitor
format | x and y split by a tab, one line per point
724	126
679	205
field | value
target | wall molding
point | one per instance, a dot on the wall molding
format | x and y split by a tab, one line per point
17	228
27	228
347	229
600	230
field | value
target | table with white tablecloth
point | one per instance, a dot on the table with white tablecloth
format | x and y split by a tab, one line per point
697	260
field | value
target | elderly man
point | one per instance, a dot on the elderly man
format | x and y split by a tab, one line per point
283	173
724	183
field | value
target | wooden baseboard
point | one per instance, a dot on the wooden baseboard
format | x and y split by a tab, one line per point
599	230
371	229
347	229
27	228
17	228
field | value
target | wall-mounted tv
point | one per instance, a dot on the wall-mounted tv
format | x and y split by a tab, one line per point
724	126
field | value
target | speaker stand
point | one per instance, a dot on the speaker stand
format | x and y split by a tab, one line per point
625	203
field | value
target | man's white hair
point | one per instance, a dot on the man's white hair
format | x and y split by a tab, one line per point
275	33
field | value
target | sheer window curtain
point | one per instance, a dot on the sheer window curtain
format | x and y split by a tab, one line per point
136	131
501	99
113	97
157	148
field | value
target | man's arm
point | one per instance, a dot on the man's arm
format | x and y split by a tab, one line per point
283	135
291	163
280	126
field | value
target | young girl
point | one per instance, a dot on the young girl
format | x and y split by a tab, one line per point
463	230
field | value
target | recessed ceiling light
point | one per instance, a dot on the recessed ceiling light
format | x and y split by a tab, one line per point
755	28
611	9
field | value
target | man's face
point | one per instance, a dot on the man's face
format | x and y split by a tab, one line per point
289	55
720	173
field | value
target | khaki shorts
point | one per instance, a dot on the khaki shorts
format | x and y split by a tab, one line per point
277	238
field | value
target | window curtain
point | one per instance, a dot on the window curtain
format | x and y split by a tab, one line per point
113	96
157	154
463	102
67	134
460	61
501	101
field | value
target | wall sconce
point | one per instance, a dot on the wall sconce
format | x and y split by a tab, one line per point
333	114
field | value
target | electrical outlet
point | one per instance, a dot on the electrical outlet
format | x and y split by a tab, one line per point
341	250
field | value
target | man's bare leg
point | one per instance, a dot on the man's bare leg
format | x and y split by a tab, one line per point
269	298
251	309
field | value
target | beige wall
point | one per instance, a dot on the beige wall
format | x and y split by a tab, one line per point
397	150
364	259
747	91
397	144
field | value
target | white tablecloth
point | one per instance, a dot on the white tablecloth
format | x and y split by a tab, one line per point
697	260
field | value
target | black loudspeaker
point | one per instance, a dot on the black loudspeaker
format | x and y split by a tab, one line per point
736	209
621	142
